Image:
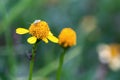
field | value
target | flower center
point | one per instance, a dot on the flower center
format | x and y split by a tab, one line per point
39	29
114	50
67	37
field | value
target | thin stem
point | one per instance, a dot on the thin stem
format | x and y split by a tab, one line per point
60	65
32	61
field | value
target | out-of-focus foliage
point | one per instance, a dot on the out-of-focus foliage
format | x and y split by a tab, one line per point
95	22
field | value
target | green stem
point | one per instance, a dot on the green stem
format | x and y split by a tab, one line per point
60	65
32	61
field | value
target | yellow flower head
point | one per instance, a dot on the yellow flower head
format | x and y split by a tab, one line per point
39	30
67	37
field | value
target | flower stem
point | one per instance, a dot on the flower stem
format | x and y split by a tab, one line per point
60	65
32	61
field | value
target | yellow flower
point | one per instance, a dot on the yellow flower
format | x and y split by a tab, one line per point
39	31
67	37
110	54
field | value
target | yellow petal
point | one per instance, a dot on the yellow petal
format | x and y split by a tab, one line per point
52	38
32	40
45	40
50	33
22	31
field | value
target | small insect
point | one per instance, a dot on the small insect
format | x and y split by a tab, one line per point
36	21
29	55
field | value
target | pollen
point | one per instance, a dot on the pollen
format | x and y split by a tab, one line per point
39	29
67	37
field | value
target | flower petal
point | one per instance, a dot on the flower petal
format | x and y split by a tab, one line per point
50	33
52	38
45	40
22	31
32	40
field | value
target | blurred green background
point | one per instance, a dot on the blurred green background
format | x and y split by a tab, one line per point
95	21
